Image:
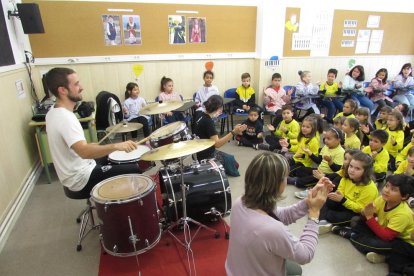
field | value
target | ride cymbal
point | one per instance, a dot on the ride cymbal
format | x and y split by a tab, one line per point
158	108
124	127
176	150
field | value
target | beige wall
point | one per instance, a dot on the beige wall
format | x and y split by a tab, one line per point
17	147
187	75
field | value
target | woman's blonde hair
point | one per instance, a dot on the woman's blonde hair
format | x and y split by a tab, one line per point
263	179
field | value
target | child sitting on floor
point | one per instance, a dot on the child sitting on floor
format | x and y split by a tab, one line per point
354	192
253	135
288	129
380	155
350	128
384	220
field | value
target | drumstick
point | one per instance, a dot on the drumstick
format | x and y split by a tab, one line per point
143	140
109	133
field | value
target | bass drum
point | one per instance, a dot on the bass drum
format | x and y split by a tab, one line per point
207	195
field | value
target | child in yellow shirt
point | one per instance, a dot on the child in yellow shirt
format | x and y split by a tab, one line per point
402	155
380	155
350	128
381	122
395	123
348	110
384	220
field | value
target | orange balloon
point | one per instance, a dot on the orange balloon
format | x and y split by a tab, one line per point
209	65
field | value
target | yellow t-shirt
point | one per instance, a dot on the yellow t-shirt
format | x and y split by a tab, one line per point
402	168
330	89
352	142
402	155
293	128
380	125
399	219
380	161
313	145
341	114
357	197
337	155
399	139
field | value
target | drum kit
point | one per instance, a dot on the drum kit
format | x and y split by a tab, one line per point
131	222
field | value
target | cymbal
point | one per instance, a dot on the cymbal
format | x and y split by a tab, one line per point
176	150
158	108
124	127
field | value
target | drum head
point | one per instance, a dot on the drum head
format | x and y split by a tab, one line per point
122	188
168	130
125	157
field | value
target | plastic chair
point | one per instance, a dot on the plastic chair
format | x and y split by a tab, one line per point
231	93
222	118
83	217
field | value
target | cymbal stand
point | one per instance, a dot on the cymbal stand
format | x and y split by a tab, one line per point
133	239
185	220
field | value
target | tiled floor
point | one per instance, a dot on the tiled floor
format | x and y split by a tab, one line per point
44	238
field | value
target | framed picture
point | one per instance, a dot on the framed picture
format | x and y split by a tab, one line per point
176	29
111	30
197	29
132	29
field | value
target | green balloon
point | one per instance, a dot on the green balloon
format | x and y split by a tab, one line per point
351	63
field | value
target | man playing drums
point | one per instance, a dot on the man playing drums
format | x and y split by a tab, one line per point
72	156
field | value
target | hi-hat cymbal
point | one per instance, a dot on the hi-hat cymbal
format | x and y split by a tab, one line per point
158	108
124	127
176	150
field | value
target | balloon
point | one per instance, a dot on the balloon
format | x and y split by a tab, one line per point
138	68
351	63
209	65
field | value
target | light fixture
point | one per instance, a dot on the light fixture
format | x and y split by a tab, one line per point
120	10
194	12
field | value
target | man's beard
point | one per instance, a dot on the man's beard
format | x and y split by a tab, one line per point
75	98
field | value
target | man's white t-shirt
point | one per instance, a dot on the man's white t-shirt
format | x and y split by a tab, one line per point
63	130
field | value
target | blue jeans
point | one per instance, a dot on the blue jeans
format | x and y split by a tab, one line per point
364	101
332	105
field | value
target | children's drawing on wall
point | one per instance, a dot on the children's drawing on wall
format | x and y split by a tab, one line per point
132	29
112	34
292	24
176	29
197	29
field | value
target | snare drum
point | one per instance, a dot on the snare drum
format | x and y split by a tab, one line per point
126	205
169	134
123	157
208	190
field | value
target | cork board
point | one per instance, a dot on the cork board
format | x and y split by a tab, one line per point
75	29
397	38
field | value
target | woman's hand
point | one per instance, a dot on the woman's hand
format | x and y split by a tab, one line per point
317	197
284	143
318	174
239	128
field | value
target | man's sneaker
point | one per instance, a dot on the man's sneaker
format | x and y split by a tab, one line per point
263	147
302	194
324	228
375	258
291	180
342	231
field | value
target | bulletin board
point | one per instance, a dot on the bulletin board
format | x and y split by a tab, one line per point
397	39
75	29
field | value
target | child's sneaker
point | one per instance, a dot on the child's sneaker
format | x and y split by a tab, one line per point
263	147
239	143
411	202
302	194
375	258
256	146
324	227
342	231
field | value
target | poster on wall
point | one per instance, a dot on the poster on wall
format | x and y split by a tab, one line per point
111	30
362	41
132	29
176	29
197	29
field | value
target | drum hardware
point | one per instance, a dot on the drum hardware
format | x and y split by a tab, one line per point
133	239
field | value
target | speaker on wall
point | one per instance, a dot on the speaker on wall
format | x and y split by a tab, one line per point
30	17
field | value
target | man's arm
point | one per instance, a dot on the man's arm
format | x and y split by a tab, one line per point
94	151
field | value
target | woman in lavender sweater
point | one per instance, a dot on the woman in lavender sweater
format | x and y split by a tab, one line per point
260	242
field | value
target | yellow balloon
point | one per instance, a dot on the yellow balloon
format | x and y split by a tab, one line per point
138	68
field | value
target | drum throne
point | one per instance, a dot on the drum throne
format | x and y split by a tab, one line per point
84	217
